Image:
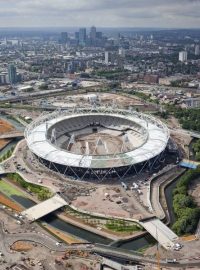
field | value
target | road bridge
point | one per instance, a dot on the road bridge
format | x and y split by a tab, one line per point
190	164
163	234
190	133
12	135
2	170
44	208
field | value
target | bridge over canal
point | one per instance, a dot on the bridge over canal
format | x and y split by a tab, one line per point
44	208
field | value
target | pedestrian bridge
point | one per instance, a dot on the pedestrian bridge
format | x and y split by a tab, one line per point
44	208
2	170
12	135
164	235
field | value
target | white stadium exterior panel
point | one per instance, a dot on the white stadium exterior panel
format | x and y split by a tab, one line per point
155	134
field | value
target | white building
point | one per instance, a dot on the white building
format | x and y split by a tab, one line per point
107	57
122	52
183	56
197	50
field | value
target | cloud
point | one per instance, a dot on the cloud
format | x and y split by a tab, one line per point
170	13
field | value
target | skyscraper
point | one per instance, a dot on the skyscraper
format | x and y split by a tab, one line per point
107	57
12	74
64	37
99	35
93	33
82	36
183	56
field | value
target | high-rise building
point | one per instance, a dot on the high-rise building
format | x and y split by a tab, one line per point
183	56
82	36
64	37
197	50
93	33
12	74
99	35
4	78
107	57
77	35
122	52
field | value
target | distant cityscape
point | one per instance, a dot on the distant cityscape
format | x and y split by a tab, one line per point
163	57
99	147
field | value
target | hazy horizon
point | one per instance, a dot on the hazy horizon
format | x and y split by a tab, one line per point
105	13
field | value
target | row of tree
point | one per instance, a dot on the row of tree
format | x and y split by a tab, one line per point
189	118
7	154
186	210
196	148
41	192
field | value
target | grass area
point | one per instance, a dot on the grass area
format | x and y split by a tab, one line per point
8	154
114	225
9	190
13	118
42	193
122	226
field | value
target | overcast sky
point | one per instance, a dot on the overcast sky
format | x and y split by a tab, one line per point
102	13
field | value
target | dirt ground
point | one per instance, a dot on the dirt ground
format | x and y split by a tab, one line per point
22	246
4	128
81	264
102	204
6	201
108	200
102	98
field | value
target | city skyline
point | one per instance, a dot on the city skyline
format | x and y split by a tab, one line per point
126	13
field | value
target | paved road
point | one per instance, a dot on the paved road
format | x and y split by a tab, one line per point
7	239
155	190
128	255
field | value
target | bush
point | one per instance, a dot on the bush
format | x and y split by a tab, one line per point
41	192
185	209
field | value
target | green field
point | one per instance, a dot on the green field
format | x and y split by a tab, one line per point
9	190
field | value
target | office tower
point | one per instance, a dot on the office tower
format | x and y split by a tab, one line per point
64	37
107	57
77	35
122	52
93	33
12	74
197	50
82	36
183	56
99	35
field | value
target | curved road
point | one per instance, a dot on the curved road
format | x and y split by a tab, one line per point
7	239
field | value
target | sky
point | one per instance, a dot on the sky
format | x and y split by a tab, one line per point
102	13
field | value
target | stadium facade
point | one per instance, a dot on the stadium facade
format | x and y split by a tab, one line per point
51	138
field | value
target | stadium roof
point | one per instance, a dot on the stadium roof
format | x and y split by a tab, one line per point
36	136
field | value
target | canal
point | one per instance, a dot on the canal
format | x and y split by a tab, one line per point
135	244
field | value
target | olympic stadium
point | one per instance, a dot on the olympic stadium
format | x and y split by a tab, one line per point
98	143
